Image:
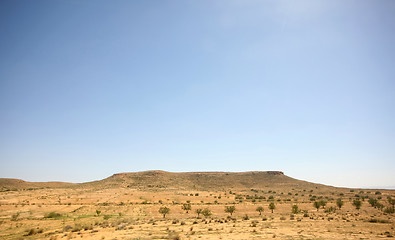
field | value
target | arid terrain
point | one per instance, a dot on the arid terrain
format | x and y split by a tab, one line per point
164	205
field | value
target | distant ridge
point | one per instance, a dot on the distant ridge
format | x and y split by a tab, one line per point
160	180
12	184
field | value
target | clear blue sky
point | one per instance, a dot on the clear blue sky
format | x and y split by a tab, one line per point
92	88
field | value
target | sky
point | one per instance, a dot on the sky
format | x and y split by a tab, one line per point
92	88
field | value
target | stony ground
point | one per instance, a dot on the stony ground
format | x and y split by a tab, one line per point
124	213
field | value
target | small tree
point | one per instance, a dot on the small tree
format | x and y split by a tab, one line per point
391	201
199	211
98	212
339	203
164	211
323	203
230	209
373	202
206	212
295	209
379	206
186	207
272	206
317	205
357	203
260	210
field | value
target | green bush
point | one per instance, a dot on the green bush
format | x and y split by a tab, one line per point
295	209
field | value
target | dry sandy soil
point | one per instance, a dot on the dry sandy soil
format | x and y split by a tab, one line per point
115	209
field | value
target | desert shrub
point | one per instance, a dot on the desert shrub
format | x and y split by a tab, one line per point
254	223
67	228
391	201
175	221
175	237
339	203
264	219
373	202
15	216
186	207
119	227
379	206
52	215
305	213
282	218
330	210
295	209
323	203
389	210
206	212
357	203
77	228
377	193
87	227
375	220
106	217
31	232
246	217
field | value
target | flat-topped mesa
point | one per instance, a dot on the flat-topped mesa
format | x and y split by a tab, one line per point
147	173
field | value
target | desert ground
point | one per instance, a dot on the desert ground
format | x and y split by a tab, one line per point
127	207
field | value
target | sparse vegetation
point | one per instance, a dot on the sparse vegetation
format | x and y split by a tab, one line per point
295	209
206	212
339	203
230	209
164	211
272	206
52	215
260	210
186	207
198	212
357	203
317	205
95	213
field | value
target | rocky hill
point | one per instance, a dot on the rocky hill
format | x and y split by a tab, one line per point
161	180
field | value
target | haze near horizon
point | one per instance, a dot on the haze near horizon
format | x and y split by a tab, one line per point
89	89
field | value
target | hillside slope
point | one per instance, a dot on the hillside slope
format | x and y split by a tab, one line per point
13	184
202	180
161	180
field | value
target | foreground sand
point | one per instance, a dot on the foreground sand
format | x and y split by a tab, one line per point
133	214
